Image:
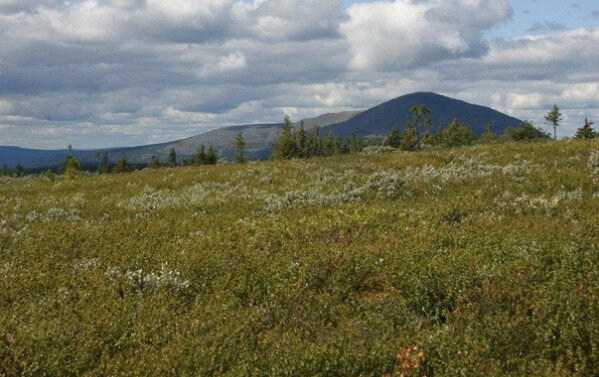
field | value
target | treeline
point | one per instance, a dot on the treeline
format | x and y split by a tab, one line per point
71	166
203	156
299	143
419	134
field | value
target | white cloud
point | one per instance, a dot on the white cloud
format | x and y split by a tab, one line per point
232	62
151	70
401	34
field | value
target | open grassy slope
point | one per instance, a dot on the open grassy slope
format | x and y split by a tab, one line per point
485	258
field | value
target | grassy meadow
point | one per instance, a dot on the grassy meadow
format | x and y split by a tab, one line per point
475	261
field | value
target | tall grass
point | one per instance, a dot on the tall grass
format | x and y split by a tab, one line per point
478	261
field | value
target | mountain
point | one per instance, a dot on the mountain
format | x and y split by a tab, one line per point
27	157
378	120
258	138
328	119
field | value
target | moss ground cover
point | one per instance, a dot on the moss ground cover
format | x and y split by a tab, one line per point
478	261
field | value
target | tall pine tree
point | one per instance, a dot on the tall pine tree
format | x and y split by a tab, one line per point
211	156
104	163
239	146
172	157
409	138
554	117
284	146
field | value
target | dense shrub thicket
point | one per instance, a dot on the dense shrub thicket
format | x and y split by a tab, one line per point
471	261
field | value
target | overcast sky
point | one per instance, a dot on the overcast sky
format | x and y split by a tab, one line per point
100	73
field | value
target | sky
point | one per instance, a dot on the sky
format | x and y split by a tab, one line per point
108	73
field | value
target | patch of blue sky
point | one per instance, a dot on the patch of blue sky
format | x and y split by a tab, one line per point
539	17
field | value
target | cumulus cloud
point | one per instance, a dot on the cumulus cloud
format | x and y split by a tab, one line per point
149	71
402	34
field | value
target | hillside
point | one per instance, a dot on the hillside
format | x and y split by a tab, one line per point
258	137
375	121
380	119
478	261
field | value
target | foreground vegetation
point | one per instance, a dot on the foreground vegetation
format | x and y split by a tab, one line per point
474	261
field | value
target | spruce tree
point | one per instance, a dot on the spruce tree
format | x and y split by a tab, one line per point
586	131
301	141
200	157
239	146
554	117
456	135
409	139
331	145
211	156
172	157
71	166
421	118
314	142
19	170
5	172
284	146
104	163
526	131
122	165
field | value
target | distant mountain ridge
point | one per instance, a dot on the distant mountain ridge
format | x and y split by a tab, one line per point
376	121
380	119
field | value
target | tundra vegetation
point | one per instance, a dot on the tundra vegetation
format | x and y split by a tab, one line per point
478	260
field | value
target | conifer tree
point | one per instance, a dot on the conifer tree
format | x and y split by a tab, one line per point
331	145
301	142
239	146
409	139
172	157
104	164
284	146
71	166
554	117
211	156
314	146
200	157
456	134
586	131
5	172
122	165
421	118
525	131
19	170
